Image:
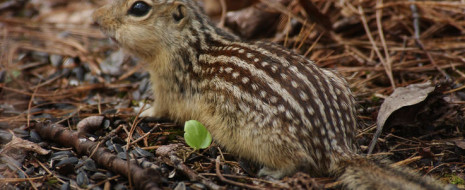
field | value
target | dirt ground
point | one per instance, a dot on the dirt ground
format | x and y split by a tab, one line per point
404	61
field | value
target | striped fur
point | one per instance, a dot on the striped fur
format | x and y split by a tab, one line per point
361	173
260	101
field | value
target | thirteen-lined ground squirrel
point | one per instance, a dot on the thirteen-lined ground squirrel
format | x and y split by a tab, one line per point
260	101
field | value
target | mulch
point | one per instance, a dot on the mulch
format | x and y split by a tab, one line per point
69	98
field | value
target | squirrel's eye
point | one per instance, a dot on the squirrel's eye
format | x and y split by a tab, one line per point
139	9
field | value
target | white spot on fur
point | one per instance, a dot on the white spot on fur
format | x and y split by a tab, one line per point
322	131
281	108
294	84
289	115
275	123
317	123
273	99
254	87
318	154
245	80
274	69
263	94
303	95
292	129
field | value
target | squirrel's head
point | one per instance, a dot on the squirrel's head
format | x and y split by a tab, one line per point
143	27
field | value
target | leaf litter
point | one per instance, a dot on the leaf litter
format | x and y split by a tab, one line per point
57	69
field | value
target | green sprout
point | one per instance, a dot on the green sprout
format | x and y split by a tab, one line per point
456	180
196	135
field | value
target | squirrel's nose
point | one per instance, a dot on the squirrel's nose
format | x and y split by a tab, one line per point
100	14
96	17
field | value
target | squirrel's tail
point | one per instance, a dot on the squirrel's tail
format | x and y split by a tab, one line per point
362	173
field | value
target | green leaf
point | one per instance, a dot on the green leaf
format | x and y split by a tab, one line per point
196	135
456	180
16	73
52	181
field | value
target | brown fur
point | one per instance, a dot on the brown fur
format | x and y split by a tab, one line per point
259	101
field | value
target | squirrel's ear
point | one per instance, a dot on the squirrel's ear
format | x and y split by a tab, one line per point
179	12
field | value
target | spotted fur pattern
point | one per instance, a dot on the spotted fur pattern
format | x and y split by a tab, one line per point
260	101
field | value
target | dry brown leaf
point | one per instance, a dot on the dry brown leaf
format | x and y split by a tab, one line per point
460	144
18	144
402	97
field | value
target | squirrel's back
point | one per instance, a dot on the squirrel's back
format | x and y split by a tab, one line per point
260	101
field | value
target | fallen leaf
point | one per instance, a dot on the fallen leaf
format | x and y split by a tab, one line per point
16	144
460	144
402	97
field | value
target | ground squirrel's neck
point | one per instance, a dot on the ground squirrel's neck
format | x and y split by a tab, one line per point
201	36
199	39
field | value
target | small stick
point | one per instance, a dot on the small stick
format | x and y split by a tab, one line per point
224	9
30	105
143	178
407	161
222	178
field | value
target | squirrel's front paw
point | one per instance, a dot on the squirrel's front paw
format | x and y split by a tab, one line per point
268	172
149	112
154	112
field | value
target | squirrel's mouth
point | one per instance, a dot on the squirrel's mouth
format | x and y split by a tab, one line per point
114	40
